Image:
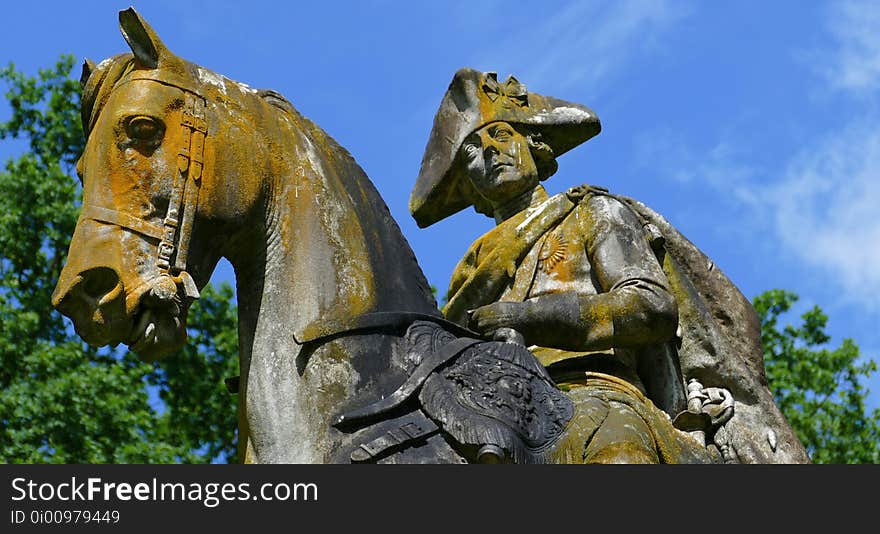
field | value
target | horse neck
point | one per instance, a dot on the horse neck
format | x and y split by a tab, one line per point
333	243
325	251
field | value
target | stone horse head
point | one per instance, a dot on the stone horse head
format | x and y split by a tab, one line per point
183	166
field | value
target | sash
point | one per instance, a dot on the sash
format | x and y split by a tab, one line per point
501	256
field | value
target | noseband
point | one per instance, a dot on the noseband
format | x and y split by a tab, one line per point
175	232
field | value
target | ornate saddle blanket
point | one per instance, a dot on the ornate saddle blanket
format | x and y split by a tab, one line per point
491	400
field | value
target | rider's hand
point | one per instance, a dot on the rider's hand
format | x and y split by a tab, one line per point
487	319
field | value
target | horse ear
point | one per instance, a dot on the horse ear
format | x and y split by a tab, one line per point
147	47
88	67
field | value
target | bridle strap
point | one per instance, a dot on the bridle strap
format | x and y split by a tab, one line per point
119	218
175	233
321	331
190	162
198	125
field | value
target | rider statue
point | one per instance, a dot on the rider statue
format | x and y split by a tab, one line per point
579	277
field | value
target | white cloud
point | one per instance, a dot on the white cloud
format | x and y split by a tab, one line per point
823	209
855	64
827	210
584	42
823	202
722	167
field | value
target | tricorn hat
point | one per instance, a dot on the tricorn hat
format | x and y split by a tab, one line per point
473	100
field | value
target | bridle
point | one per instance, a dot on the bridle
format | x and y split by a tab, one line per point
176	230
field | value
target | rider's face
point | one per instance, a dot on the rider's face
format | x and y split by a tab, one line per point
498	162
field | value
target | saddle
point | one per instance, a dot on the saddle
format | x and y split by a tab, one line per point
491	401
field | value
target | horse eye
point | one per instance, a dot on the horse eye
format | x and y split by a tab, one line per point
144	128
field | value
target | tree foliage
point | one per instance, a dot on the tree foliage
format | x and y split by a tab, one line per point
820	390
62	401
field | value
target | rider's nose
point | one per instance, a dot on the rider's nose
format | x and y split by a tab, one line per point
491	155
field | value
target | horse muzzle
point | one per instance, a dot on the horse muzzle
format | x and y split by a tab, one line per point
146	310
94	299
150	320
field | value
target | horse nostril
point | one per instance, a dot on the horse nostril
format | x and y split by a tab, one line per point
100	283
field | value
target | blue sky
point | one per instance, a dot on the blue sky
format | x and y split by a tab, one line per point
751	125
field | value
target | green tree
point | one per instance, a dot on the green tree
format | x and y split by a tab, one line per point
61	400
820	390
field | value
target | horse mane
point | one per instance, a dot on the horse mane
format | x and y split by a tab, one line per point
348	167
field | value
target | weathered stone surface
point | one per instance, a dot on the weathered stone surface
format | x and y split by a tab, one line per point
183	166
721	345
624	311
312	243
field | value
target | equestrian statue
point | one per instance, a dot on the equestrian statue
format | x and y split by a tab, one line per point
583	328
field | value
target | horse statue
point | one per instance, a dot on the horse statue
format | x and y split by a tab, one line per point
183	166
344	355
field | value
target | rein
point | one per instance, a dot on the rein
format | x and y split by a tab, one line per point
175	233
375	323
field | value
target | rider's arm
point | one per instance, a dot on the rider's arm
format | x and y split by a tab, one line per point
634	306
